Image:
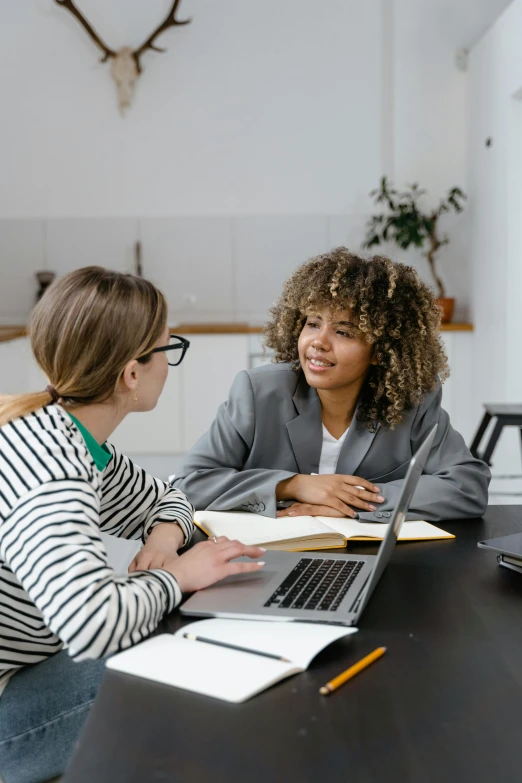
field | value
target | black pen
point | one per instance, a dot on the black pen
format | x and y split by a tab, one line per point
194	638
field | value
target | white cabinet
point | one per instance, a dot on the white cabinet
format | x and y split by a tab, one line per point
192	394
19	373
458	393
210	366
158	431
185	410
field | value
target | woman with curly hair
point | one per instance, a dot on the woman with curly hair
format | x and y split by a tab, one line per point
330	427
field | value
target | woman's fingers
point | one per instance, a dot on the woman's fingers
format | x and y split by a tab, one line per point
235	549
242	568
141	562
328	511
363	494
371	499
343	508
298	510
357	481
354	500
340	506
209	562
308	509
148	562
338	501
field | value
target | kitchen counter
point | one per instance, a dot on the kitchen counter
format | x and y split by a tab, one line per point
13	332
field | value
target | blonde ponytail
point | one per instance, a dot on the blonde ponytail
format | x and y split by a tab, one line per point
13	406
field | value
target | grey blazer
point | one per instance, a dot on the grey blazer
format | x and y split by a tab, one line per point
270	428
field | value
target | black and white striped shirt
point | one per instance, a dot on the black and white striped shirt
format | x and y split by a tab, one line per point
55	585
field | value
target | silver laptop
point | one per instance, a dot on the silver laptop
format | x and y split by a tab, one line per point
310	586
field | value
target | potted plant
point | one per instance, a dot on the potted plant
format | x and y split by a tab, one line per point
406	224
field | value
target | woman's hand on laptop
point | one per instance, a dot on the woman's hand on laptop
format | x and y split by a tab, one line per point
209	562
333	491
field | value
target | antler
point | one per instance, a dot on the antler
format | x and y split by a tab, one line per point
83	21
169	21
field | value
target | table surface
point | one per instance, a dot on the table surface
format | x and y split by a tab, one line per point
443	704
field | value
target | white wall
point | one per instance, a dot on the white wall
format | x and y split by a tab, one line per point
251	109
496	189
257	110
430	124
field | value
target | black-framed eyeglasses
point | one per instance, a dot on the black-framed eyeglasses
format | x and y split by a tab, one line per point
176	343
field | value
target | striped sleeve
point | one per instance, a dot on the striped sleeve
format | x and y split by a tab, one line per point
51	543
134	502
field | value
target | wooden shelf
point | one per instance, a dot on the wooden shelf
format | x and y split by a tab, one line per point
456	327
217	328
13	332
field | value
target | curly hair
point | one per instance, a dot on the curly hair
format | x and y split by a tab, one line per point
395	311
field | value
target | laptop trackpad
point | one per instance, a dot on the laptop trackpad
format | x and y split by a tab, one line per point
235	592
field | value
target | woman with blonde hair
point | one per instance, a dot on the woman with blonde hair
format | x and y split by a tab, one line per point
102	340
330	427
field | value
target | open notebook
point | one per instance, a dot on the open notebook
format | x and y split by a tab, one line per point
294	534
223	673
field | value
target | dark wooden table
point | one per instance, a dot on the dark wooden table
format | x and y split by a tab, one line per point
444	704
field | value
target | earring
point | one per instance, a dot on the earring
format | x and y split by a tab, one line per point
135	397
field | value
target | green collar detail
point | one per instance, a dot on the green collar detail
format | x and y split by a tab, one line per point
100	454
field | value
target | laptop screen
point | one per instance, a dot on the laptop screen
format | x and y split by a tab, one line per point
415	469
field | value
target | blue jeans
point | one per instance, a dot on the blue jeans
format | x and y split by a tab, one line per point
42	711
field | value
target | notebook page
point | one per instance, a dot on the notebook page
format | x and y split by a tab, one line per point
416	529
202	668
299	642
254	529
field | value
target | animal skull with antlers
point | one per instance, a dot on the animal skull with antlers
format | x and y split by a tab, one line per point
126	62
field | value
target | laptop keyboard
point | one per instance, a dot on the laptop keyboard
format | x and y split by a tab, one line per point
316	584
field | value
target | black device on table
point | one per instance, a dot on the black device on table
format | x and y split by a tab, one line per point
508	549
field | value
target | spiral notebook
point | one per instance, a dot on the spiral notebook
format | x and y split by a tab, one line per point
221	672
295	534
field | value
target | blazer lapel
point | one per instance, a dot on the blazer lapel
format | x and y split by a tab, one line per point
355	447
306	435
306	430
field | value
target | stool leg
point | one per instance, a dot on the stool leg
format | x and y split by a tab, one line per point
488	451
479	434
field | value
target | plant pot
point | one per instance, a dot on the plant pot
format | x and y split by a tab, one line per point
448	305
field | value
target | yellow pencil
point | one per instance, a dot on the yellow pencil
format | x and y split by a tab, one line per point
352	671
